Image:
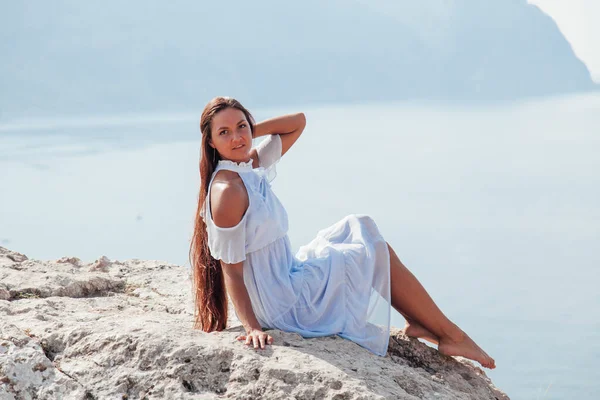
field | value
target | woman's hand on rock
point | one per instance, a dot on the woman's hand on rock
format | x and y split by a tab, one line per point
256	337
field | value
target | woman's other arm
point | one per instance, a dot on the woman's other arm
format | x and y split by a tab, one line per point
234	280
289	127
229	202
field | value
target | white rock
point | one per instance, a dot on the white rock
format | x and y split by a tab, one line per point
128	331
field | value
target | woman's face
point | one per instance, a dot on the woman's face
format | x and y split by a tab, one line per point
231	135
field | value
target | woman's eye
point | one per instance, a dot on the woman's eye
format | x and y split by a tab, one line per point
242	125
222	132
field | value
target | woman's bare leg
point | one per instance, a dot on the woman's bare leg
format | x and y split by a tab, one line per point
411	299
416	330
413	328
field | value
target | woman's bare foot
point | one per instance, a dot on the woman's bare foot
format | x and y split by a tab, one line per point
414	329
464	346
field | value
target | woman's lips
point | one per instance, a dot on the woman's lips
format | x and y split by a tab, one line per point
239	147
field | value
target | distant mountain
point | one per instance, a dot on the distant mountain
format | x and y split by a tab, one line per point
70	57
495	49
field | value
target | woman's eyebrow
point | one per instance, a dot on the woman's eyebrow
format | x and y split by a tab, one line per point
241	120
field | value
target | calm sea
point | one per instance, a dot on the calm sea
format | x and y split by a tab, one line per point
495	209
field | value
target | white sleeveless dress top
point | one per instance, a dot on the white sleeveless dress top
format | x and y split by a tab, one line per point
338	284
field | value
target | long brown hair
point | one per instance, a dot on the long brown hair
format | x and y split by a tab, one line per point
210	294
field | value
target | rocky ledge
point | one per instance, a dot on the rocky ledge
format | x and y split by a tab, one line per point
123	330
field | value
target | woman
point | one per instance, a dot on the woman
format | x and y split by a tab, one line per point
240	247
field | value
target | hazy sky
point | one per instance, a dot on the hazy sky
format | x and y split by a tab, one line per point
578	21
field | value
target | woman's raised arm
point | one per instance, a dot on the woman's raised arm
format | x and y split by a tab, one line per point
289	127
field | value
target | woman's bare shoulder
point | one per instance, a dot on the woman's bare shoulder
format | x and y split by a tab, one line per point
228	199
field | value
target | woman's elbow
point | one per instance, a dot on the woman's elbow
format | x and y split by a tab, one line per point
302	119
